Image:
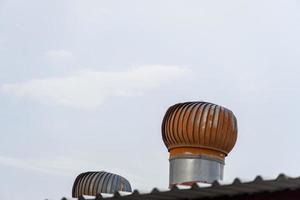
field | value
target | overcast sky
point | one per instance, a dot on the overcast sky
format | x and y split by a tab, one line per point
84	86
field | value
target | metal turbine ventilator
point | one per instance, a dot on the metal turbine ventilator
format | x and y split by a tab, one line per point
96	182
198	135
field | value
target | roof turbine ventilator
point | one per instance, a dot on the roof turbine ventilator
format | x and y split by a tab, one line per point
93	183
198	135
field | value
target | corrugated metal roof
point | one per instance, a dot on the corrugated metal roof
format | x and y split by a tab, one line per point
216	190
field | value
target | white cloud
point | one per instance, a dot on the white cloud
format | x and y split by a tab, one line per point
69	167
88	89
59	165
60	55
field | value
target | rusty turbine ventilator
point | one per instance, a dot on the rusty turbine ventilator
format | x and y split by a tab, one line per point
198	135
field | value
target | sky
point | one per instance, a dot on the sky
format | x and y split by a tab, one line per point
84	86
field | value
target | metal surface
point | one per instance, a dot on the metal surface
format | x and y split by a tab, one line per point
186	170
201	125
281	188
198	129
93	183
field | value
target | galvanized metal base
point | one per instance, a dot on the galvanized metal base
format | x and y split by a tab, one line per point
187	169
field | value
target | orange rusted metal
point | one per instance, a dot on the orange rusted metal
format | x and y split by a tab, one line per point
199	128
196	151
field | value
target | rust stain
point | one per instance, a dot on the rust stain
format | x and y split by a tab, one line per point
199	128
